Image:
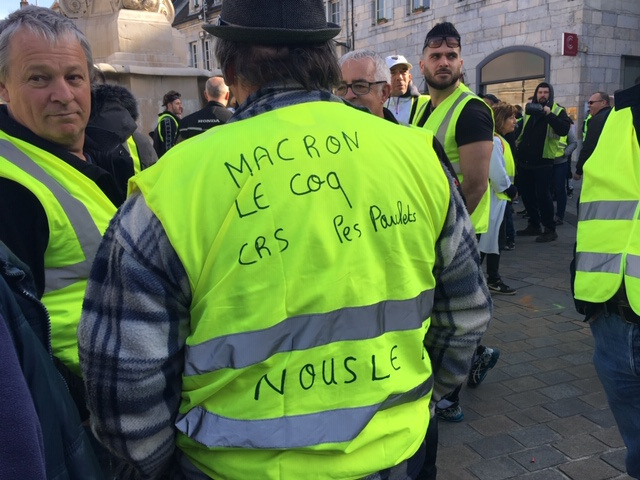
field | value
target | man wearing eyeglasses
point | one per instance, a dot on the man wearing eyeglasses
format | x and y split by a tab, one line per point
599	109
365	82
467	134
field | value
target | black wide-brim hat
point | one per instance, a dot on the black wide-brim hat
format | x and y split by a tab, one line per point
273	22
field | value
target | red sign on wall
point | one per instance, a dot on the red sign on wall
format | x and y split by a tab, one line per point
570	44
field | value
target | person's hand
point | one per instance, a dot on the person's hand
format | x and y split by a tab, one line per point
546	110
577	176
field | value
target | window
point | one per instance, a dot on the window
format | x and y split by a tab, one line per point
333	11
417	6
193	48
383	10
207	55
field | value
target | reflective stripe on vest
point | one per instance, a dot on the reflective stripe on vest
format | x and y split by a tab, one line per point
160	119
307	332
132	148
296	342
442	122
608	239
88	234
77	213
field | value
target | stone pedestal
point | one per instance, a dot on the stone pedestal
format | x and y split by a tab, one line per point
139	50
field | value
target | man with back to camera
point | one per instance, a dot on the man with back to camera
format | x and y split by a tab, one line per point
467	134
307	247
214	113
545	123
606	285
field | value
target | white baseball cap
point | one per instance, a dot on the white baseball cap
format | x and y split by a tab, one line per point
394	60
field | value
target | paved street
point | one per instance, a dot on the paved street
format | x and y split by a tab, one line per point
541	412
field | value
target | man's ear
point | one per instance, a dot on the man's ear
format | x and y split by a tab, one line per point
386	91
4	93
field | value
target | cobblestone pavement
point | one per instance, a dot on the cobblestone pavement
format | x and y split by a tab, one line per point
541	413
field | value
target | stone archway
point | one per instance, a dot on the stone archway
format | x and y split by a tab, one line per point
512	73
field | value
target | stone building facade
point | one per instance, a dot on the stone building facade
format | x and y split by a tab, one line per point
508	46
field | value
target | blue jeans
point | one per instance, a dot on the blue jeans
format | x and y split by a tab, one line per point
560	188
617	361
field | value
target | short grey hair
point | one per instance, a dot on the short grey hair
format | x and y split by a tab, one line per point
382	71
218	90
44	22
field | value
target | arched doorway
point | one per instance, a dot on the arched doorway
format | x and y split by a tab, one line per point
513	73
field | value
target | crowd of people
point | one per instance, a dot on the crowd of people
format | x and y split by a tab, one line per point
299	291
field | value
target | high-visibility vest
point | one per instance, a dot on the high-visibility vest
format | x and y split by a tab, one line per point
608	239
552	146
510	165
310	262
585	127
160	119
78	214
442	122
132	148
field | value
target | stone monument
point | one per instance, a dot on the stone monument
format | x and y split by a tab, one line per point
135	46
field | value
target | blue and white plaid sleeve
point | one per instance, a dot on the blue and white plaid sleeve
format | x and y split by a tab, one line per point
137	289
462	304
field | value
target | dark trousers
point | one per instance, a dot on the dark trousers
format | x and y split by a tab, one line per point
429	469
510	230
535	188
560	188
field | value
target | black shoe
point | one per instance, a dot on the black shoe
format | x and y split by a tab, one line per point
500	288
559	221
530	231
522	212
547	236
510	246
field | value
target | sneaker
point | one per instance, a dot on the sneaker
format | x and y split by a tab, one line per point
510	246
485	362
547	236
500	288
450	414
530	231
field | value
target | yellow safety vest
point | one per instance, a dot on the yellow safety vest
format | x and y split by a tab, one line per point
585	127
132	148
442	122
552	146
510	165
608	239
78	214
310	262
160	119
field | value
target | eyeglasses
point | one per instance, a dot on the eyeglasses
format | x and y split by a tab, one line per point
358	88
591	102
435	42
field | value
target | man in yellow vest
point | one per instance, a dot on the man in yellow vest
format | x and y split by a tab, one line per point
166	132
460	120
545	122
607	265
59	187
267	301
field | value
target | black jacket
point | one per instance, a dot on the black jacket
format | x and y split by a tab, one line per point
534	133
212	115
594	129
67	450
